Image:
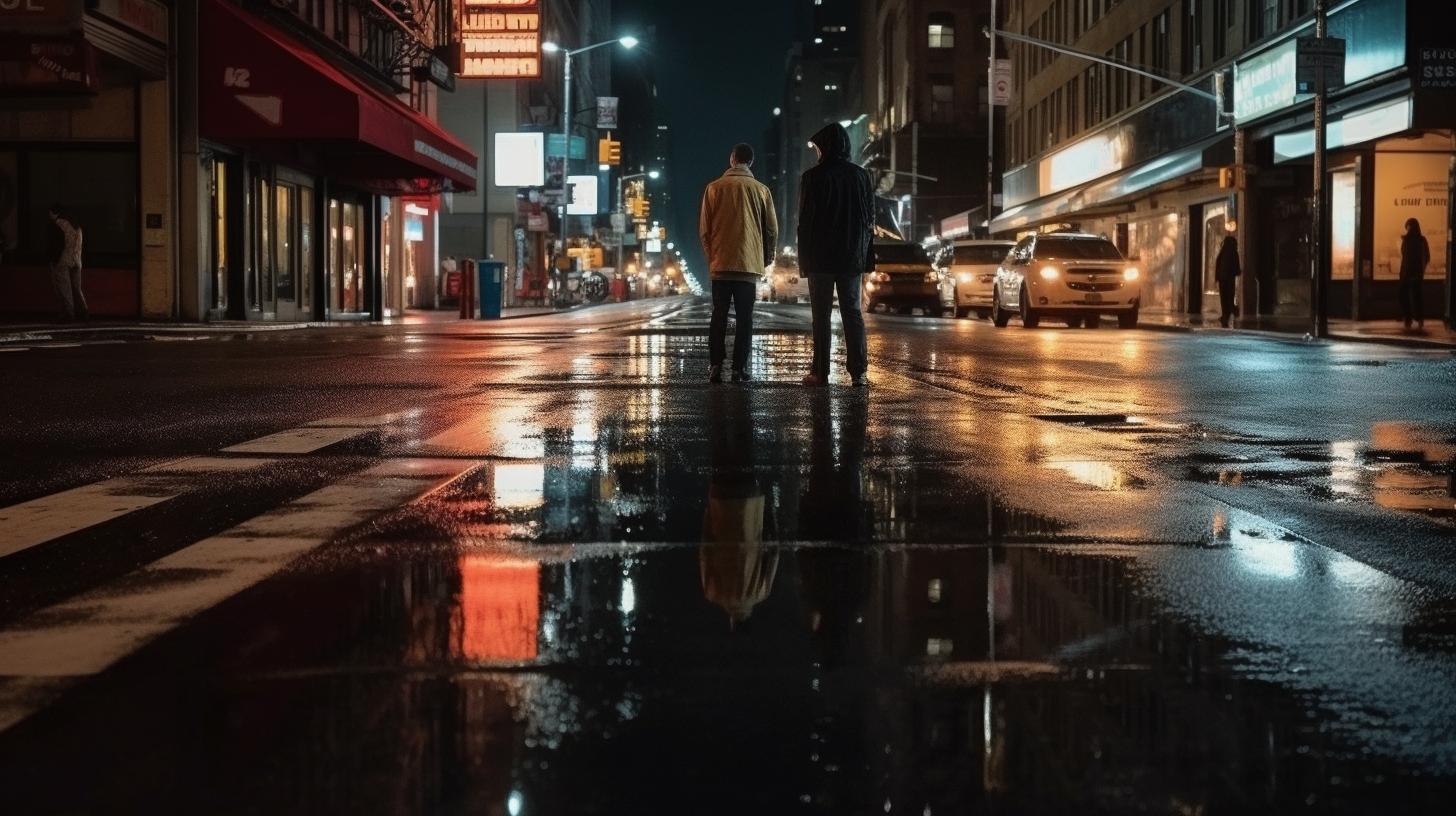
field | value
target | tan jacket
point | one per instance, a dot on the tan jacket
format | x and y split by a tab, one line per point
738	226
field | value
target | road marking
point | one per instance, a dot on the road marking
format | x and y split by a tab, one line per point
296	440
27	524
43	654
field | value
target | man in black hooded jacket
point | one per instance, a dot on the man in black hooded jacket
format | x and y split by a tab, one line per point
836	227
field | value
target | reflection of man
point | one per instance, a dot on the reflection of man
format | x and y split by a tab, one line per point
736	568
832	506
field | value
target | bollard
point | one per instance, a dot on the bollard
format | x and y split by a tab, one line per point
467	289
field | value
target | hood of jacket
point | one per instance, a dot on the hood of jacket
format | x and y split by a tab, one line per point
832	141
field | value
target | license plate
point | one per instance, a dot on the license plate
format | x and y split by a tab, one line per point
1093	297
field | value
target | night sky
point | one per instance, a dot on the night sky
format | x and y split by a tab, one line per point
720	71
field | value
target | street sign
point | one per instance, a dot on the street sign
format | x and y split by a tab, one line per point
1316	56
1001	90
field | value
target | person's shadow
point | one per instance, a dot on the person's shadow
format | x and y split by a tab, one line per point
736	568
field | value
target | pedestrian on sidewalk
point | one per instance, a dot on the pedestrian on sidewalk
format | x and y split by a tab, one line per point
739	230
63	253
1415	256
836	230
1226	271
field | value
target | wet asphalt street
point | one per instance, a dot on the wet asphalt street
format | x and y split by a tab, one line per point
541	566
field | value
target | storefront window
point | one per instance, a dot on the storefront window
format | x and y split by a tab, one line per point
1342	225
266	286
219	235
350	251
106	211
305	248
283	241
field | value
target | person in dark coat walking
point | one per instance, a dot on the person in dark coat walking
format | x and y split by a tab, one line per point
1415	256
836	227
1226	271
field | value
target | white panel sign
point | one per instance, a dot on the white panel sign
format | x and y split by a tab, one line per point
520	159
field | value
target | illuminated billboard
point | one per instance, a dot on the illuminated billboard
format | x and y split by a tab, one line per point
500	39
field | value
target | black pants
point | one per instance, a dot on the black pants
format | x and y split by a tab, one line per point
1227	309
822	289
740	295
1412	299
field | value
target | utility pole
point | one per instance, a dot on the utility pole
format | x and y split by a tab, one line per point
991	118
1320	268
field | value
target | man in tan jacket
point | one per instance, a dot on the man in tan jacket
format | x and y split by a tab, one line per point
739	230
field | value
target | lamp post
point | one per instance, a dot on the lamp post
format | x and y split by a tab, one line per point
566	112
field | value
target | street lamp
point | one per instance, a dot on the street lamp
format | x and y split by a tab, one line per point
552	48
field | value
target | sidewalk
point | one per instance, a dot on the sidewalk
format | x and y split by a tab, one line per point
1390	332
27	328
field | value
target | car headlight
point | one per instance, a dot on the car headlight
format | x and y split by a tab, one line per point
879	277
932	276
1130	273
1050	273
965	277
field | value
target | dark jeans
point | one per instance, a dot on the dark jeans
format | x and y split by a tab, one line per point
1412	299
741	295
1226	305
821	305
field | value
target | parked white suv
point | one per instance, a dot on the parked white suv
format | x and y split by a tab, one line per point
1069	276
970	268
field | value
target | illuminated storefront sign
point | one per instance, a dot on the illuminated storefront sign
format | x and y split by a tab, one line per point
501	39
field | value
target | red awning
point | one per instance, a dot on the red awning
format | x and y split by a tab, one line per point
263	88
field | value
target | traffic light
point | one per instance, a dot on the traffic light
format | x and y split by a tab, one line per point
609	151
640	208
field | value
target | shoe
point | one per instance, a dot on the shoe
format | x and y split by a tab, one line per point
814	379
715	374
741	375
859	381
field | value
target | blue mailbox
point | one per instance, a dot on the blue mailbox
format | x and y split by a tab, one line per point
491	276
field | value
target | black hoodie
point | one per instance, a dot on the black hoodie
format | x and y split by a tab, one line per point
836	210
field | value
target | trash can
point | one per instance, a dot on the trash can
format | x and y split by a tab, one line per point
492	279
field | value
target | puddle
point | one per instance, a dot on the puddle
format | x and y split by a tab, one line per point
1403	466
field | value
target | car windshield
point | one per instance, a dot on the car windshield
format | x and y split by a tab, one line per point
900	254
980	254
1081	249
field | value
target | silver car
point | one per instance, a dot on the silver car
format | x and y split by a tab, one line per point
1070	276
970	267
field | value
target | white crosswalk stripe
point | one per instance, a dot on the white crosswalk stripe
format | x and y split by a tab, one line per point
46	652
27	524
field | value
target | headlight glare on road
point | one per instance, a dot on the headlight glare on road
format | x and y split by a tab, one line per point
1130	273
1050	273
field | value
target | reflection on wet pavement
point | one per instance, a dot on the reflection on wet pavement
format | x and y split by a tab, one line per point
1403	466
652	596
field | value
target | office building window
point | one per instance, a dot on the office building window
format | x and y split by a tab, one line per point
942	30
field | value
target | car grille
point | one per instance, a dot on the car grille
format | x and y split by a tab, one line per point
1098	286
